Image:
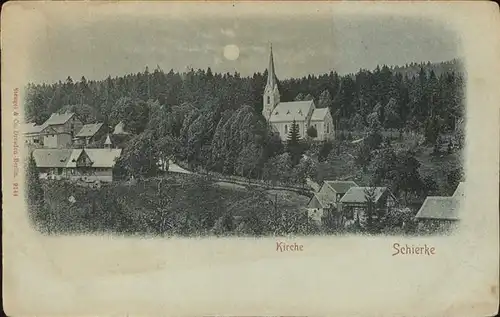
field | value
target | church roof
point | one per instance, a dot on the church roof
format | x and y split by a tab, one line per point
319	114
289	111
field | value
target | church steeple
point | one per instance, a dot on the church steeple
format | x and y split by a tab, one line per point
271	93
271	75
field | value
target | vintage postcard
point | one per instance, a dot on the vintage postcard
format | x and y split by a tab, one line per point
250	158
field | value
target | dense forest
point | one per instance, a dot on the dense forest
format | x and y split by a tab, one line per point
213	122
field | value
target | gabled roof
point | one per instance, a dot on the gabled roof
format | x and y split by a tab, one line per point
68	157
319	114
437	207
460	191
341	187
57	119
31	128
293	110
358	194
89	130
103	157
75	154
120	128
326	197
108	140
315	202
52	157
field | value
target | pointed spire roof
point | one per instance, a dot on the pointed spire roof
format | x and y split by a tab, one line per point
108	141
271	75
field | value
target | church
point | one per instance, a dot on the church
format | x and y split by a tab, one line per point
280	115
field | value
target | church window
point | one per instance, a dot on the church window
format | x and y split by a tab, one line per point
286	129
327	128
268	100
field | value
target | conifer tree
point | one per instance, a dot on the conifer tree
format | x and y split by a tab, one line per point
35	190
294	144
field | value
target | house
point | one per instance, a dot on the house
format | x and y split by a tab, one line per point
354	205
459	191
281	115
327	198
51	163
32	134
76	164
90	133
58	131
120	129
441	212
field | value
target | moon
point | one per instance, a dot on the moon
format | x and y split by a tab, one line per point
231	52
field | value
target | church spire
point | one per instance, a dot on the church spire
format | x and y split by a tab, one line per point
271	75
271	92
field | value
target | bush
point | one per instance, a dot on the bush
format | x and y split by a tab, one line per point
312	132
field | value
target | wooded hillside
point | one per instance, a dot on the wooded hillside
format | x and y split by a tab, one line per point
213	121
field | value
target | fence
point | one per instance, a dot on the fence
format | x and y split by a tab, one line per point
239	180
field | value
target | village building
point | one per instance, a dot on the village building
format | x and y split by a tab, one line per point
120	129
281	115
86	165
57	132
90	133
65	125
33	134
441	212
327	198
353	206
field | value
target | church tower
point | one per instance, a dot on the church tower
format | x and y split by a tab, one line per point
271	93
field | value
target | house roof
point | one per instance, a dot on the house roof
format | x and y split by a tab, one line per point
89	130
293	110
31	128
326	197
437	207
108	140
341	187
358	194
460	191
68	157
103	157
52	157
75	154
120	128
57	118
319	114
315	202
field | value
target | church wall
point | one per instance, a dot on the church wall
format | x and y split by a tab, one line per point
331	134
280	128
320	128
302	129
